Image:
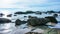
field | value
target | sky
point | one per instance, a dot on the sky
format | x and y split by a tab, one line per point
34	5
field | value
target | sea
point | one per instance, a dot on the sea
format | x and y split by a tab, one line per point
10	28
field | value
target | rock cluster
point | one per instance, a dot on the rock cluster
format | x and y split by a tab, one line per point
34	21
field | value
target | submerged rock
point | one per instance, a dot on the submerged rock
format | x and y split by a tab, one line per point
4	20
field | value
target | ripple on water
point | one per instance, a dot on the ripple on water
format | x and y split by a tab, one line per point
7	27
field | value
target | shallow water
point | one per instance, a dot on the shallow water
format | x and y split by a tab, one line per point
9	28
6	28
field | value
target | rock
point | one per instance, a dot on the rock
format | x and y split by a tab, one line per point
34	21
15	15
55	15
4	20
9	15
27	12
52	19
38	13
1	14
20	13
19	22
33	33
25	16
52	22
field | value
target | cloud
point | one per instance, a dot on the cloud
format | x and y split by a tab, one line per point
30	4
19	3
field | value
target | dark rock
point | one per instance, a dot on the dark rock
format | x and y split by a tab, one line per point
19	22
52	19
4	20
9	15
25	16
55	15
15	15
50	12
45	12
20	13
33	33
34	21
29	12
38	13
1	14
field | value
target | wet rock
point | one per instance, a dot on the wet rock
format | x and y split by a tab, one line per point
15	15
25	16
34	21
32	33
50	12
1	14
45	12
4	20
20	12
52	19
38	13
9	15
29	12
55	15
19	22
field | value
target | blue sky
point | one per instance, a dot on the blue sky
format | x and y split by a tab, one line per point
34	5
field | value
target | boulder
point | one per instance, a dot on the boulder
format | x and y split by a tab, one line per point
52	19
1	14
25	16
55	15
9	15
19	22
34	21
4	20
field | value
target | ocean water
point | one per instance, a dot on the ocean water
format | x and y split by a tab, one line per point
10	28
6	28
